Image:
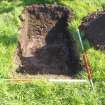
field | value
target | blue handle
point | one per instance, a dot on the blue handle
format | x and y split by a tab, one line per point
79	36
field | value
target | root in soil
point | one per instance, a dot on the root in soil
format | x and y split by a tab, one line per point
45	44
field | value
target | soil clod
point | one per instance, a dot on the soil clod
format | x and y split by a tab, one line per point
94	28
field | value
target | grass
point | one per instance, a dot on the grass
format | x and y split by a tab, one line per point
42	92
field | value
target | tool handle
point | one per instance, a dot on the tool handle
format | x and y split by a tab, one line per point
79	36
87	66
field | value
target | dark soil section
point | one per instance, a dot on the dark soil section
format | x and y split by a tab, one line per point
45	44
94	28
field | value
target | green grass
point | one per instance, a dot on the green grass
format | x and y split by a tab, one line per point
42	92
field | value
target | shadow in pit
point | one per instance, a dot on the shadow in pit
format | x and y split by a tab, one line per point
59	56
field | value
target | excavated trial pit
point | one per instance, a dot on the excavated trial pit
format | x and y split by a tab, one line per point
94	28
45	44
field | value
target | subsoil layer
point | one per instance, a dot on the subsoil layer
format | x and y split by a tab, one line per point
45	44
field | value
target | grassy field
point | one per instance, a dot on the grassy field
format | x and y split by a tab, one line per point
42	92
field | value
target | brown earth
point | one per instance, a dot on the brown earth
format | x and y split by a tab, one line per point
94	28
45	44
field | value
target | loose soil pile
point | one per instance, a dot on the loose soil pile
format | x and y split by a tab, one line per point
94	28
45	44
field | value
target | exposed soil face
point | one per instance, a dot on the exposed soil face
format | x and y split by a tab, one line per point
45	44
94	28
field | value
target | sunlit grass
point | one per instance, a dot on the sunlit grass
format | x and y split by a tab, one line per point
44	93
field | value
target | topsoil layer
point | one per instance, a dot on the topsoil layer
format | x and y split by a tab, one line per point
45	44
94	28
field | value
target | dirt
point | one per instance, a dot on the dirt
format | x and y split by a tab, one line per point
45	44
94	28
